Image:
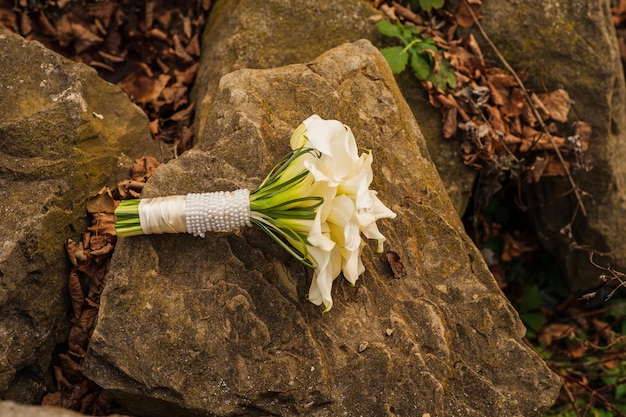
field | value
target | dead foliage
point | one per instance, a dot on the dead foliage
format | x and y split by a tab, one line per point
585	348
90	258
618	9
502	127
150	49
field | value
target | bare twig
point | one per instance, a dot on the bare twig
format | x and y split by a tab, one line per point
594	394
533	108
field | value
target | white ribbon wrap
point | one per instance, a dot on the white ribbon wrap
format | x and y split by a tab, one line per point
162	215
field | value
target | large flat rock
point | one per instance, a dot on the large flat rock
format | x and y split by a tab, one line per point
221	326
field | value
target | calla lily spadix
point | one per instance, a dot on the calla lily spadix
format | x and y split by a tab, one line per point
315	203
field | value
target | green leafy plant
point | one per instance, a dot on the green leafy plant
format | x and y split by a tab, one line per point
427	5
421	54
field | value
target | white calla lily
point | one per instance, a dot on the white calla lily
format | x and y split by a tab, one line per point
354	209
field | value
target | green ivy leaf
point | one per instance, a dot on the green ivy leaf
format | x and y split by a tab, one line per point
420	65
389	29
428	5
531	299
444	77
417	51
534	321
397	58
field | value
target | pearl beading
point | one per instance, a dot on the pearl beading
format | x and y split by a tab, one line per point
220	211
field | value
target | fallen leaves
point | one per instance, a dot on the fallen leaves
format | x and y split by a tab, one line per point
501	125
90	258
618	9
141	171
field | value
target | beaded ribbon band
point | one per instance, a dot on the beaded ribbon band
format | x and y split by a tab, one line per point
217	212
197	214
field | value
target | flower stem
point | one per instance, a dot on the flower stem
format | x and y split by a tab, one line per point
127	218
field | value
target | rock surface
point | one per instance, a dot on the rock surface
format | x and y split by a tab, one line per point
572	45
64	133
221	327
245	34
248	34
12	409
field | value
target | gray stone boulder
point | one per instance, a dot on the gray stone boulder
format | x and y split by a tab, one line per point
221	327
64	134
572	45
248	34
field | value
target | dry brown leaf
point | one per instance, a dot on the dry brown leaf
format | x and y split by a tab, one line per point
604	329
499	94
206	5
183	116
464	17
188	75
186	26
8	17
186	139
179	50
176	94
106	249
71	370
112	58
76	294
143	168
53	399
102	234
87	319
514	106
138	87
450	122
84	38
583	134
76	252
557	104
514	248
537	168
102	202
554	167
158	34
536	140
26	25
555	331
77	341
395	262
576	350
495	119
193	47
406	13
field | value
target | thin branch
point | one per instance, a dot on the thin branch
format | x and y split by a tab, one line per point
533	108
594	393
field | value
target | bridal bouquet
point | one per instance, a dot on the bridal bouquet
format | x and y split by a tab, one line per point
315	203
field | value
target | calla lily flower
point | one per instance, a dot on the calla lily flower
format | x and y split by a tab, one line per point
334	241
